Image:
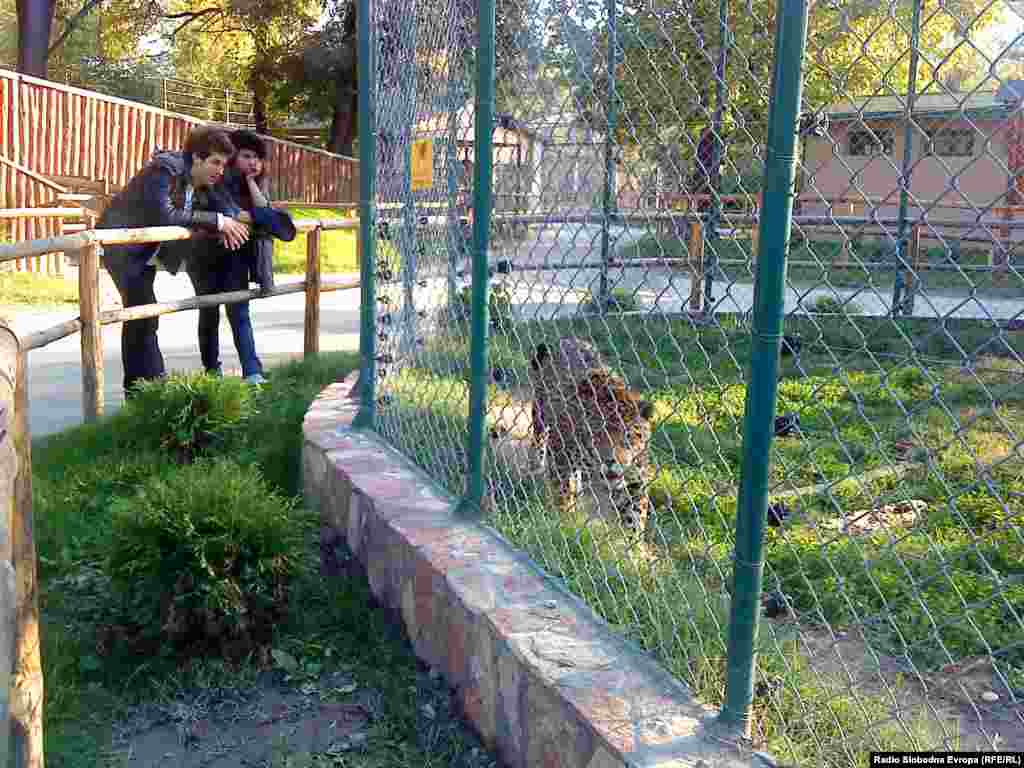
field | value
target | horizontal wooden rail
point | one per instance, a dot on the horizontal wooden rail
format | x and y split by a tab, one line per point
42	213
307	204
327	225
136	236
878	202
33	175
57	332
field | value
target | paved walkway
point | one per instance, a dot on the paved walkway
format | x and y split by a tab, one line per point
542	294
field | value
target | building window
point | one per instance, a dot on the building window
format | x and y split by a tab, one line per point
950	142
877	142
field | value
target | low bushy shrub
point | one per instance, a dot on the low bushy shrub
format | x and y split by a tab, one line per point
201	558
499	307
188	415
619	300
829	305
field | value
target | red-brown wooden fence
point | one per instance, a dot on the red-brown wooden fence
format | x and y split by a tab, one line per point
51	129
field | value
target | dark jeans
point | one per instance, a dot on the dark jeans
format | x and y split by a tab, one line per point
225	272
140	349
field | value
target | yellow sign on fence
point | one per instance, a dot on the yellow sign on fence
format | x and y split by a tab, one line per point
422	164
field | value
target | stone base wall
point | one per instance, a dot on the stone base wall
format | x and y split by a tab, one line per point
544	681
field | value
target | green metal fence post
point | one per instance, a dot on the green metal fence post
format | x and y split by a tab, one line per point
482	201
611	113
905	304
759	413
367	217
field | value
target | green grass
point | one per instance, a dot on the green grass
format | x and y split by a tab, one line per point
337	249
858	272
80	475
29	289
858	389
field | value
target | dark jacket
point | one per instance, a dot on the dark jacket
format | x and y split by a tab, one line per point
155	197
268	223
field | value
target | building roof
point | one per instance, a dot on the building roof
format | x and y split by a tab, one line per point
976	104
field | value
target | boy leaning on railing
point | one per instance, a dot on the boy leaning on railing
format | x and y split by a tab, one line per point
215	268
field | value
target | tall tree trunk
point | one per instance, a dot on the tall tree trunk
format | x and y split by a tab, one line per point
35	19
343	121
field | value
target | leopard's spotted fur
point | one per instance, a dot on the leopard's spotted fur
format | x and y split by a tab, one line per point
587	421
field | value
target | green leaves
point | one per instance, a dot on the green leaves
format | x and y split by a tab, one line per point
189	415
203	556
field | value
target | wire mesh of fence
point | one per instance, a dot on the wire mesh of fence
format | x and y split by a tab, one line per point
631	198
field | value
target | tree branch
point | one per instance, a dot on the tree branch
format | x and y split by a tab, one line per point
72	24
189	17
191	14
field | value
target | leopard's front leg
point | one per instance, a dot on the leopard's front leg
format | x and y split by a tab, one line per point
539	434
563	481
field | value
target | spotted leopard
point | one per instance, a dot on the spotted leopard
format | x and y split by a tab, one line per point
594	432
551	377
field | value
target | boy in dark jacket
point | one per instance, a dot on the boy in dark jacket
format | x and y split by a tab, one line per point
213	269
161	195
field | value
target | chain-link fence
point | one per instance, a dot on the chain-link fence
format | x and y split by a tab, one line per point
632	219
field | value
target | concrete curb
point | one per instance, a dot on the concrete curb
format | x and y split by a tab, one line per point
543	680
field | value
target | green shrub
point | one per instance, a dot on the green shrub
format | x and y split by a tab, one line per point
619	300
272	436
201	558
829	305
499	307
189	415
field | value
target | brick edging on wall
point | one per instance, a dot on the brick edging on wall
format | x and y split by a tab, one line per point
543	680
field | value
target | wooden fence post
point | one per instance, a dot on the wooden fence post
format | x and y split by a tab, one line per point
843	259
695	254
312	329
910	275
26	702
998	256
92	332
9	350
917	257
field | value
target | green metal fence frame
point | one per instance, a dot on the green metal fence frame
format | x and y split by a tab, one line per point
367	96
774	235
472	502
774	225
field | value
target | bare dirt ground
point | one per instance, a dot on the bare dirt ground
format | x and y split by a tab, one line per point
950	704
287	720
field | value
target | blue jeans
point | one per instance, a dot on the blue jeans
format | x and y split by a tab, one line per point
227	271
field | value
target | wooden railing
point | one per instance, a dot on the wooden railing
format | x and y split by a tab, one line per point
21	683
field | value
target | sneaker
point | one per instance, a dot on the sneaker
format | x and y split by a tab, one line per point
255	379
